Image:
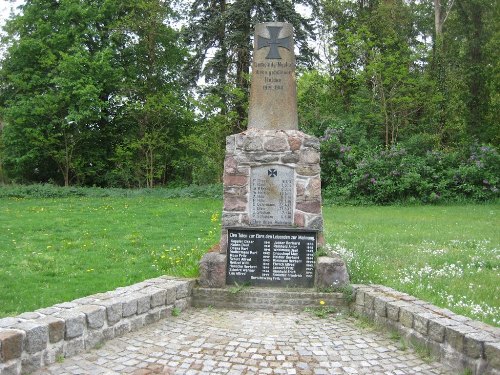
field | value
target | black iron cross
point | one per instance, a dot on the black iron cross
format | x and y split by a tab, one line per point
272	172
274	42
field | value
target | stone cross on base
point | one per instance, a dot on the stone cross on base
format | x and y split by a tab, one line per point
272	221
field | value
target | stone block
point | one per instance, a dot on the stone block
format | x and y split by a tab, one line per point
183	290
52	353
56	328
309	156
74	323
314	221
392	309
158	296
213	270
421	322
455	335
436	331
93	339
380	306
95	315
276	144
29	316
252	144
143	303
171	295
360	297
308	170
492	353
66	305
49	310
230	143
290	158
474	344
182	304
31	363
109	333
114	310
136	323
299	219
73	347
152	317
230	180
295	143
230	165
11	344
369	301
166	312
129	305
8	322
330	272
229	219
311	206
12	368
406	317
36	336
121	328
235	203
311	142
263	158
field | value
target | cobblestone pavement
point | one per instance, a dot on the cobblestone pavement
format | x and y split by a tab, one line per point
210	341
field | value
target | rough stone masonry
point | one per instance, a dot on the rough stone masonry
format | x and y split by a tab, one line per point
271	173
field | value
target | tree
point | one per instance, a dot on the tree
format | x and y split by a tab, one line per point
57	77
82	80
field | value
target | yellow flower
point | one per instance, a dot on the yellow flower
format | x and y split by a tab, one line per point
321	302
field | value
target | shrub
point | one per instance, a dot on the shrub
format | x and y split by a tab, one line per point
386	176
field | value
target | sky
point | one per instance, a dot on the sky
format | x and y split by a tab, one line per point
6	6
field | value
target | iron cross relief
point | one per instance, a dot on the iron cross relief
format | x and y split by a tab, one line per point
274	42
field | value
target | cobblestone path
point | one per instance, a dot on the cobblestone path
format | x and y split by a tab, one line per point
211	341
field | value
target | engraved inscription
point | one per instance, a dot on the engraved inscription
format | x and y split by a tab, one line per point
274	73
271	257
271	195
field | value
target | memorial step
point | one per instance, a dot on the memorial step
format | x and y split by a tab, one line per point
241	297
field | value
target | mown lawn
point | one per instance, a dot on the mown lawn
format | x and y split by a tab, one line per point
54	250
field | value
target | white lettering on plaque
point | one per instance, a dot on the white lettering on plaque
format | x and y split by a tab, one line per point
272	195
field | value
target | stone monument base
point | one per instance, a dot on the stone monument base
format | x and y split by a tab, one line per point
331	272
253	155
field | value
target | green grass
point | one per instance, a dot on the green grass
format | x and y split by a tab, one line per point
59	249
447	255
54	250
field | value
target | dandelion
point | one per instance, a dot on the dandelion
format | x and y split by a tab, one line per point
321	302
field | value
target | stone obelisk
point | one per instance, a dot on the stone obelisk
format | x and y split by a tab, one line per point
273	92
272	220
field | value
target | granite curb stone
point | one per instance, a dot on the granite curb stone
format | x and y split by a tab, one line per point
36	339
455	340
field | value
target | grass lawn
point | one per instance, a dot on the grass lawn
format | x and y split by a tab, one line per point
447	255
54	250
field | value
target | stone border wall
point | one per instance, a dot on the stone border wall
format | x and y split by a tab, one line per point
455	340
36	339
32	340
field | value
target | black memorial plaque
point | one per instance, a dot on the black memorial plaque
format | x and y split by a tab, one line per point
271	258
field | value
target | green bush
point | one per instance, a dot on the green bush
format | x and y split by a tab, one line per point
52	191
386	176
